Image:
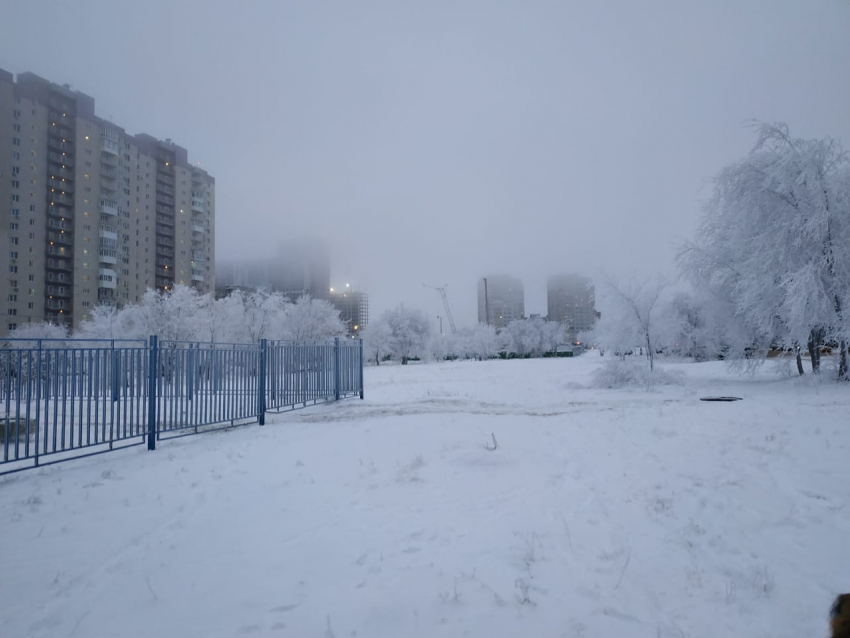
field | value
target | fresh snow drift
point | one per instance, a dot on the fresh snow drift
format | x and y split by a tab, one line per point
600	513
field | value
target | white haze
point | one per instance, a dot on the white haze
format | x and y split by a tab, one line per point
436	143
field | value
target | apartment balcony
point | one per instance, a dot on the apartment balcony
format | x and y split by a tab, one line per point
60	239
109	186
108	207
62	174
109	146
199	255
61	159
165	261
165	178
107	278
59	264
108	256
165	219
59	225
198	228
60	187
57	199
109	232
197	275
164	271
164	252
164	200
198	205
167	231
58	251
59	305
58	116
108	172
65	148
59	292
164	241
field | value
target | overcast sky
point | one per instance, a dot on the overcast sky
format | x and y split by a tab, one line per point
436	142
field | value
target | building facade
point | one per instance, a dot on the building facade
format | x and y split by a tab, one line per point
501	299
90	214
353	309
300	268
571	301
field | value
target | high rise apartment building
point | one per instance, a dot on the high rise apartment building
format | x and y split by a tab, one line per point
501	299
90	215
571	301
300	267
353	309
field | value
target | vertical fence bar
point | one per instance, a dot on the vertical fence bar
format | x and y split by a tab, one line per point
152	394
361	369
336	369
261	383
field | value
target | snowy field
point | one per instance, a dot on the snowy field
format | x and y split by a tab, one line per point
601	513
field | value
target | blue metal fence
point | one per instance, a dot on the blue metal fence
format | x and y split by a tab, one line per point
62	399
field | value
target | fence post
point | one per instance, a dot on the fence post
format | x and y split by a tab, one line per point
38	391
115	355
361	369
261	383
336	368
190	372
152	393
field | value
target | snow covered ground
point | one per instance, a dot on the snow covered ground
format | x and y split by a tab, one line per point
602	513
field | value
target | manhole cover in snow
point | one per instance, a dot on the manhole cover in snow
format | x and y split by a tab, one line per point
720	399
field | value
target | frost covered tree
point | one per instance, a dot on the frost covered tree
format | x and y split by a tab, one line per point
377	340
311	319
630	315
410	330
40	330
775	239
264	312
481	342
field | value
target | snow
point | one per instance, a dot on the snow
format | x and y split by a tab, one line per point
601	513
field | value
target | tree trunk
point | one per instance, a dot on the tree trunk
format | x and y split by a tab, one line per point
404	361
800	362
815	337
649	352
842	362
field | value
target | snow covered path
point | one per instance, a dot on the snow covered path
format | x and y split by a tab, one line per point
601	513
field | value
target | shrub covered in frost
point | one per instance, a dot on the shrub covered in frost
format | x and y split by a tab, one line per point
623	374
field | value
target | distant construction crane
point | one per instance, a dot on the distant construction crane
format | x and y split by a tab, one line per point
442	291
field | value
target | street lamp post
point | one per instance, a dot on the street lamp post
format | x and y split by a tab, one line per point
440	319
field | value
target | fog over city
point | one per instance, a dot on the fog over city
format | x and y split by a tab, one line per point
440	142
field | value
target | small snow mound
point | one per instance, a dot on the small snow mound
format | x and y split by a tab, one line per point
624	374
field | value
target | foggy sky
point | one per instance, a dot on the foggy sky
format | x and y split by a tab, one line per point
436	142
